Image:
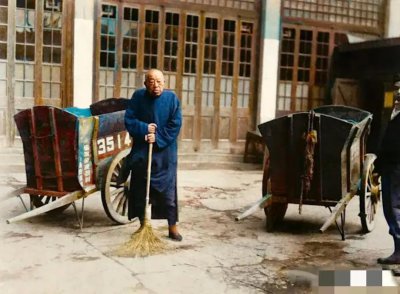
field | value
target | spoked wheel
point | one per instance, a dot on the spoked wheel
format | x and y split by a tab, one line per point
369	195
274	212
40	200
115	188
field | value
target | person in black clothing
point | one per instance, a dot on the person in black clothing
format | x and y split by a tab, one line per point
387	165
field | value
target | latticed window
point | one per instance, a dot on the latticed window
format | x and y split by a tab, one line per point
130	35
151	39
303	68
190	59
238	4
25	48
210	45
228	48
3	60
246	40
209	64
25	31
3	29
130	31
52	44
108	51
108	35
245	49
191	43
361	15
171	41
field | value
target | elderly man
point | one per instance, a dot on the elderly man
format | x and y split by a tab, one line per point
387	165
154	116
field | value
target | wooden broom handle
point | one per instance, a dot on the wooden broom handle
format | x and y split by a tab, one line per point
149	172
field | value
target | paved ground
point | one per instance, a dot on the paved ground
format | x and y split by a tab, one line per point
48	254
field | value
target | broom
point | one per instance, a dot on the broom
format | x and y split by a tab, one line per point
144	242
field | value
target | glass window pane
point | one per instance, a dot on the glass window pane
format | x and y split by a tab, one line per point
47	54
29	72
3	51
46	73
56	55
57	37
30	37
55	91
19	89
3	89
30	53
47	37
46	90
56	74
3	70
3	15
19	17
29	89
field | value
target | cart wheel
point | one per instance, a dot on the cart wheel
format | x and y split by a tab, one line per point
40	200
369	197
114	190
274	212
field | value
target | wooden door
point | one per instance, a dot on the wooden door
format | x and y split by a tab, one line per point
208	58
347	92
38	56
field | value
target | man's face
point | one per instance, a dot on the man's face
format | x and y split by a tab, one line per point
154	82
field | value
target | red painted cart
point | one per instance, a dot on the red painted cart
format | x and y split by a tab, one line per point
70	154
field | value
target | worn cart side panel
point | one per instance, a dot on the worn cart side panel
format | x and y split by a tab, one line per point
334	136
109	136
38	131
353	152
274	133
109	105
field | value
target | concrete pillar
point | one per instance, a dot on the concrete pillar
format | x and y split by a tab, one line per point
83	52
393	19
269	57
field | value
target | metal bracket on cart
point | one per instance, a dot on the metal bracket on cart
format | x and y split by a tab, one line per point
69	198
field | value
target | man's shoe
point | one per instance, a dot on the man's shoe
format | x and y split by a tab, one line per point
175	236
392	259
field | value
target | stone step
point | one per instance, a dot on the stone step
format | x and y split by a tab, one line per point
12	161
210	156
192	165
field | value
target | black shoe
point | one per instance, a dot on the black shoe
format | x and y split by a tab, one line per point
392	259
175	236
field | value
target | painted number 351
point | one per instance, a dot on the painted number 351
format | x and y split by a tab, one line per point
113	142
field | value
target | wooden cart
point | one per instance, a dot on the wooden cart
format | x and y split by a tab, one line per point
319	158
71	153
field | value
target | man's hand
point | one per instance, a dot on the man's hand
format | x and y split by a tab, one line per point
151	138
152	128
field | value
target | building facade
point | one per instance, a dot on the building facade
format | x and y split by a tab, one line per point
233	63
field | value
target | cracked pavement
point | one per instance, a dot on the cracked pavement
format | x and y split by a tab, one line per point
50	254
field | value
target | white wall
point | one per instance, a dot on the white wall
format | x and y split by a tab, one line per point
83	52
393	19
269	57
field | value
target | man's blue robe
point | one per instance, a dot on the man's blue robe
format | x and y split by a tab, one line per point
165	112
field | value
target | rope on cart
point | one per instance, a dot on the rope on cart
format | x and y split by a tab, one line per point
311	140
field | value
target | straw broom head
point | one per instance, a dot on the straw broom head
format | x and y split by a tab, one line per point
144	242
